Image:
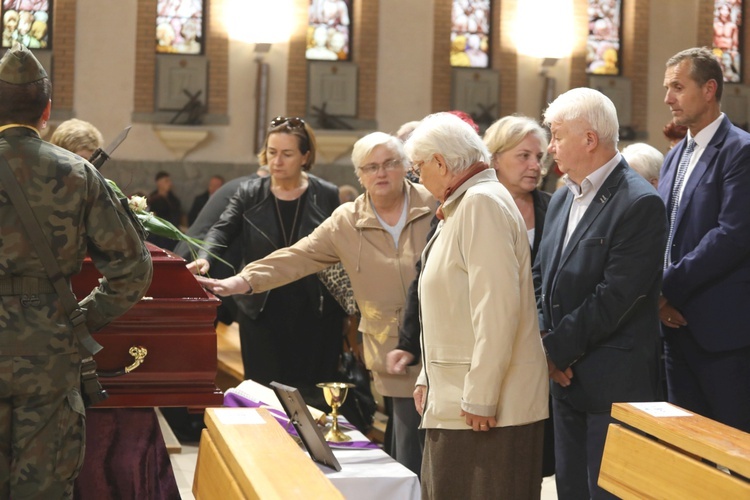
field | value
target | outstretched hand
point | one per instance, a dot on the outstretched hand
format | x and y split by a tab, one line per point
198	266
230	286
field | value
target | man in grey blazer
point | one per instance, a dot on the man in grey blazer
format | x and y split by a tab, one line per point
597	278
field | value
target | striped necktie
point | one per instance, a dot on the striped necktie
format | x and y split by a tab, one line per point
674	201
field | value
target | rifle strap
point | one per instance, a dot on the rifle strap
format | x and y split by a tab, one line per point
87	346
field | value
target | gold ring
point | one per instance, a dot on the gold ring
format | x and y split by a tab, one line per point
669	319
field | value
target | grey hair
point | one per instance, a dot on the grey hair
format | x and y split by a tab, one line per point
508	132
450	136
705	67
589	105
364	147
404	132
644	159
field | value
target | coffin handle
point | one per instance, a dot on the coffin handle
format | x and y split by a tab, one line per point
139	354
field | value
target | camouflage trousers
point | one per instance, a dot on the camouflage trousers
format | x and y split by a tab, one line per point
42	426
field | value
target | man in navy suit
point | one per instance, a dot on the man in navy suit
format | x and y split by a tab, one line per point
706	288
598	276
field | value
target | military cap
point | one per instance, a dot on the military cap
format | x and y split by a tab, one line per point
19	66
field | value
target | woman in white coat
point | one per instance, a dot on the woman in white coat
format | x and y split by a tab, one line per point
483	387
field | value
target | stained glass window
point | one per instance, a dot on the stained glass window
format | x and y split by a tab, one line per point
179	26
604	41
727	36
27	22
329	30
470	33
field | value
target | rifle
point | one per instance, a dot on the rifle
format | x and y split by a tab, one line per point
101	155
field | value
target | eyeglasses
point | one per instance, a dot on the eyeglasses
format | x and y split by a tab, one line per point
291	122
388	166
416	167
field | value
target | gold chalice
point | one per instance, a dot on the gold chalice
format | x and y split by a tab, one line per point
335	394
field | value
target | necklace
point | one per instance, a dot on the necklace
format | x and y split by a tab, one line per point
287	238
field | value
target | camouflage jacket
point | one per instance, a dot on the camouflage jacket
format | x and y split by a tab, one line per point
79	214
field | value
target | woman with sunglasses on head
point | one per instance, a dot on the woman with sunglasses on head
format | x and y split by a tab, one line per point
292	334
378	239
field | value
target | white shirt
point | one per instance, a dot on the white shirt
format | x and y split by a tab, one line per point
584	194
702	139
395	231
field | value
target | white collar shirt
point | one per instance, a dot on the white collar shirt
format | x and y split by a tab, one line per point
584	194
702	139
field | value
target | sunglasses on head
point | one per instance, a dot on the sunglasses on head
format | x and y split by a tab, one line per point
291	122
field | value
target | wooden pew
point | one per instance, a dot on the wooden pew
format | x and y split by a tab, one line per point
237	461
230	371
657	455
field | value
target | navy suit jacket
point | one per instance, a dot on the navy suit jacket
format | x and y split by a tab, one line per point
598	297
708	280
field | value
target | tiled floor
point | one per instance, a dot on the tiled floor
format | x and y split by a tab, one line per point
183	465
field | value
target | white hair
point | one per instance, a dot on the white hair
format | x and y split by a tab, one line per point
589	105
644	159
450	136
364	147
406	129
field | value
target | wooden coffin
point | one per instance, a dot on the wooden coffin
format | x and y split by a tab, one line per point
175	323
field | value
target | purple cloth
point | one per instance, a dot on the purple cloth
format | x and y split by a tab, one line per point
233	400
125	457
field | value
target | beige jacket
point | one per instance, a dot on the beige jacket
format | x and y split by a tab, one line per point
480	332
380	273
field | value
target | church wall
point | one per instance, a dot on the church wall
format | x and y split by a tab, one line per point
673	28
105	68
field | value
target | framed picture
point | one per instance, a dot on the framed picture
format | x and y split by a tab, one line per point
470	33
604	43
727	40
329	30
180	27
308	431
27	22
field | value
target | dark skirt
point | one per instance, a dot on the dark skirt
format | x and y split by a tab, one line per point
505	462
291	341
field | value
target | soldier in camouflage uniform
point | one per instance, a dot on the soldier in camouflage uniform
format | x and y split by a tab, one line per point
41	411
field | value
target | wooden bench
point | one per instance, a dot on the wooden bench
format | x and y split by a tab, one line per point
238	460
658	455
229	355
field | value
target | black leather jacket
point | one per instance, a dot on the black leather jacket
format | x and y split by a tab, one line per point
251	215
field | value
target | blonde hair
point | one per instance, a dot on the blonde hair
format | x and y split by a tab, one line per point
75	135
508	132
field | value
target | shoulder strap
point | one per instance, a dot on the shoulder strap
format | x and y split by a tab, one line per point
42	247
